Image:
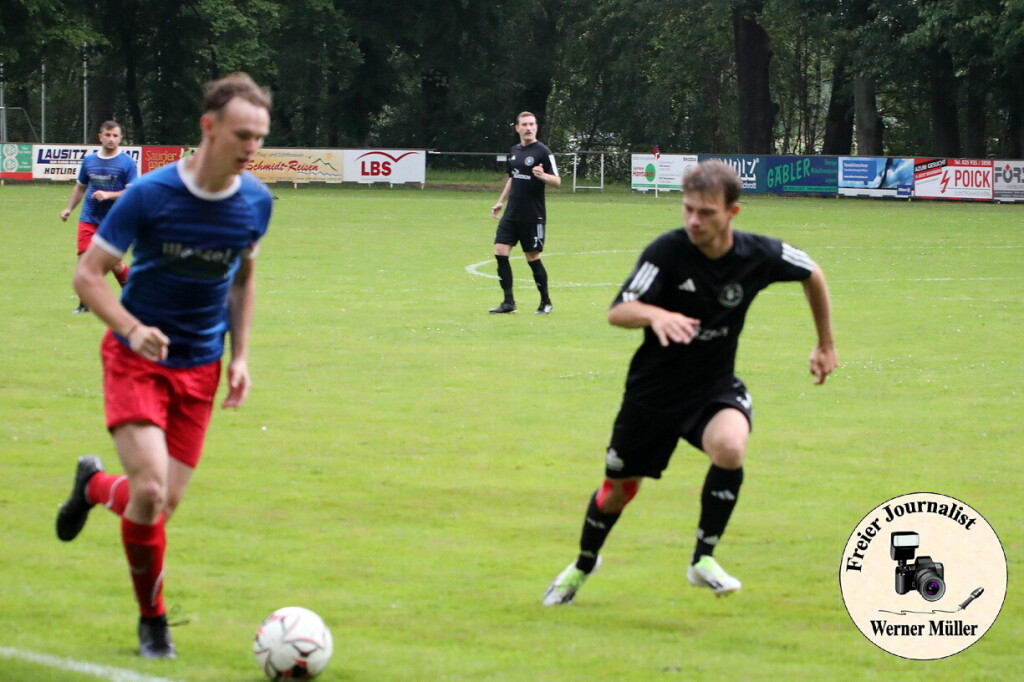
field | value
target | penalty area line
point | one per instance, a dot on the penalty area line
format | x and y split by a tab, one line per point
68	665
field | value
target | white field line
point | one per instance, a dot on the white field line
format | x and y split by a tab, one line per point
527	282
68	665
474	269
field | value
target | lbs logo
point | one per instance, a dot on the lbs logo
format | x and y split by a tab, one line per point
379	164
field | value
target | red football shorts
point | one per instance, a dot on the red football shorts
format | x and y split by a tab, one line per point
179	401
85	233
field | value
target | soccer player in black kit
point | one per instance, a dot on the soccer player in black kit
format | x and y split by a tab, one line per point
690	292
531	168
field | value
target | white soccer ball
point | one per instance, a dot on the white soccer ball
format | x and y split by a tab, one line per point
293	643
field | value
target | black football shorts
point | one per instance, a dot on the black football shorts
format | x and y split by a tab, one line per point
528	233
643	439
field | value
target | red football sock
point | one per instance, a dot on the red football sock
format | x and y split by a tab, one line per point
109	490
144	547
122	276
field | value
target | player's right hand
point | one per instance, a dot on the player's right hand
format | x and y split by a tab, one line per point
672	327
149	342
64	214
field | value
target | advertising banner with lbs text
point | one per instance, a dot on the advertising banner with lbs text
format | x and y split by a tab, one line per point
394	166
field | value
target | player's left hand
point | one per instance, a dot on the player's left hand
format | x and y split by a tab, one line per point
823	361
100	195
239	382
538	171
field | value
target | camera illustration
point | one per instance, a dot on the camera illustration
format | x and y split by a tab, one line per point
923	575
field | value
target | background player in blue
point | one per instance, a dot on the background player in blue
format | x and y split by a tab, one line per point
531	168
193	227
690	292
103	177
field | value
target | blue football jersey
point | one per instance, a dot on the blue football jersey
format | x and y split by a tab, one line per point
111	175
186	245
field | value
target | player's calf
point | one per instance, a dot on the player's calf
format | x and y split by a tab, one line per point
615	494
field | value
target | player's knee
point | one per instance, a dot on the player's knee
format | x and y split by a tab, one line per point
148	495
726	444
613	496
728	453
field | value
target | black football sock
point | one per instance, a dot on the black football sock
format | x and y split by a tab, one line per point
721	490
540	276
596	527
505	277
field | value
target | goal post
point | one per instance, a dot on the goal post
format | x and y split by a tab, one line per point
578	179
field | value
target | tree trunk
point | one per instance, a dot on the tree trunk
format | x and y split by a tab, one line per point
131	93
839	119
753	56
942	105
534	98
976	115
103	86
1013	142
870	128
367	93
435	87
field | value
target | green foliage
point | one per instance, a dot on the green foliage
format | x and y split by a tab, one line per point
633	74
416	470
608	75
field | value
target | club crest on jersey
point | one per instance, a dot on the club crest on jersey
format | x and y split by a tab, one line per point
529	161
731	295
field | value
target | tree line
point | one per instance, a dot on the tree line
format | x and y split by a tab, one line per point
894	77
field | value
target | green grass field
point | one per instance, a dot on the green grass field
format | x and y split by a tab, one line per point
415	470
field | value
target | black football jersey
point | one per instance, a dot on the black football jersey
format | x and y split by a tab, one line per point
673	274
526	195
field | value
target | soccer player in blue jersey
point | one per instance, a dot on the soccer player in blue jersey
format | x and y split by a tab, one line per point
531	168
690	292
103	177
193	228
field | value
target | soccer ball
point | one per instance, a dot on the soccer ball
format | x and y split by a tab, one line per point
293	643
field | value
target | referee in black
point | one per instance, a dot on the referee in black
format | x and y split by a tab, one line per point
690	292
531	168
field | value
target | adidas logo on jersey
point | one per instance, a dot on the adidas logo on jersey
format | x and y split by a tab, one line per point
688	285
